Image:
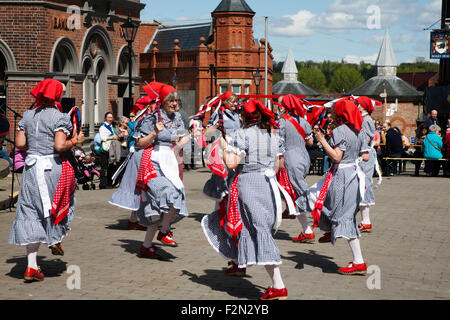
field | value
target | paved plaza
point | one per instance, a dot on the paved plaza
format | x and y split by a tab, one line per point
407	253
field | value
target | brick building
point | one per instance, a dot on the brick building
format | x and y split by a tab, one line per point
206	59
77	42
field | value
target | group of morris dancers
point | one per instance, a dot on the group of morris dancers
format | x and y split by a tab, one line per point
257	158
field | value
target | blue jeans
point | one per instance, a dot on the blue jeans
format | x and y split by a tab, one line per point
4	155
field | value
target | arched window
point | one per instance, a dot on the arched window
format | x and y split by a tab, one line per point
64	57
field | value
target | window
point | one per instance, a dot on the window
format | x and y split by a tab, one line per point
223	88
236	88
247	89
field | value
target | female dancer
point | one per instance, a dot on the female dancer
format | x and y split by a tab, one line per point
224	122
368	127
244	233
158	176
345	182
296	133
46	198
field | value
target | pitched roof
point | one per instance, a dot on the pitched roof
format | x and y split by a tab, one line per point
386	57
233	6
189	36
293	87
396	88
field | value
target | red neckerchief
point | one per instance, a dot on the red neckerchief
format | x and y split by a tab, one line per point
321	198
297	126
215	162
146	170
64	191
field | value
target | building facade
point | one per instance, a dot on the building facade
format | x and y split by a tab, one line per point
77	42
204	60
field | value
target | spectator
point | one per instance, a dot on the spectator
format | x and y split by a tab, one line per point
432	119
4	153
131	125
110	151
422	131
316	151
432	146
447	152
394	148
406	144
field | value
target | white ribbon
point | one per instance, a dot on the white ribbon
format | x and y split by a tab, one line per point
377	166
276	188
42	163
168	163
359	172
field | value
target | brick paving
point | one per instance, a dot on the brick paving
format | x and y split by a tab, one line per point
409	246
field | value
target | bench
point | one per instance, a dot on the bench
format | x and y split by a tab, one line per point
391	162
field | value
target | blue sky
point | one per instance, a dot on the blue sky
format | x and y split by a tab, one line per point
323	30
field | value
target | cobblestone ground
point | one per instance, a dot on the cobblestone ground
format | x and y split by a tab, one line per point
408	252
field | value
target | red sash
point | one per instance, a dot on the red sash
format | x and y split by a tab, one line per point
146	170
296	125
215	162
321	198
283	180
64	191
234	222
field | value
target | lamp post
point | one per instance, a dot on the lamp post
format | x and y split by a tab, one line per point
174	81
257	77
129	31
212	71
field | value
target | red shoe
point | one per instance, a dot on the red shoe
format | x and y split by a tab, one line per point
274	294
149	252
135	226
57	250
166	238
305	238
33	274
365	227
233	270
353	268
326	238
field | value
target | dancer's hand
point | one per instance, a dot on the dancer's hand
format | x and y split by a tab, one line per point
159	127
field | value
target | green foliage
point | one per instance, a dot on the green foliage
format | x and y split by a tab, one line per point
325	77
313	78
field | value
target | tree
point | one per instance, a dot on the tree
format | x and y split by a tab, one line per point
345	78
276	77
313	78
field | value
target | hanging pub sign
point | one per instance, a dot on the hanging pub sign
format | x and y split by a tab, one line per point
440	45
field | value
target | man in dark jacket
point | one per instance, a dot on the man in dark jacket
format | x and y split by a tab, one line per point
394	147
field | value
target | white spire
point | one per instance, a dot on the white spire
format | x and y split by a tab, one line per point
386	62
289	71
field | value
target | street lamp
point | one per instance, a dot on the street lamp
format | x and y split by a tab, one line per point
174	81
129	31
257	77
212	71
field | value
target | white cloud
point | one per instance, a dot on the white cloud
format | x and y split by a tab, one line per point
298	24
430	13
357	60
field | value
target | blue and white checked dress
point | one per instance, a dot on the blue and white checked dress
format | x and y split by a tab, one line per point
368	127
256	202
161	191
296	158
343	196
30	225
